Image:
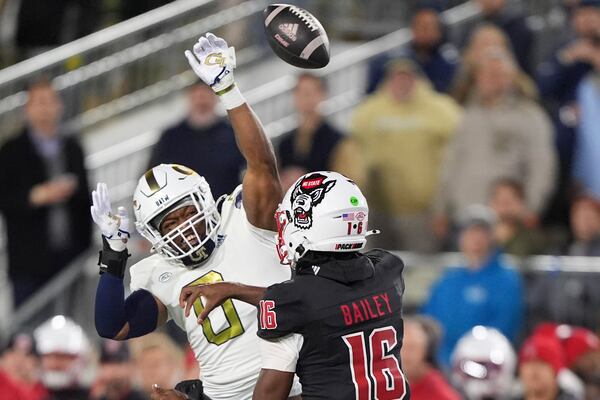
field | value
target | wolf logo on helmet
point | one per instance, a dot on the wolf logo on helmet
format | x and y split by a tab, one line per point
310	216
308	193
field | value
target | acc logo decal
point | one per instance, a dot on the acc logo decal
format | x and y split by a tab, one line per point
308	193
165	276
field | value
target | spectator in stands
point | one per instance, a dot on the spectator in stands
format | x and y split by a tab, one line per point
540	361
419	349
157	360
67	365
19	369
484	291
44	197
114	378
315	145
514	25
570	339
514	231
585	225
587	149
202	141
484	364
503	134
583	357
404	147
482	39
558	78
429	48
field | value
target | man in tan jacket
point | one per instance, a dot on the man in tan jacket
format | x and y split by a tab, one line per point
503	134
403	130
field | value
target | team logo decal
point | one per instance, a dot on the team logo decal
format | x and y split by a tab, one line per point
308	193
165	276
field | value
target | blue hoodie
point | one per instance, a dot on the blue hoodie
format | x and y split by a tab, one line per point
463	298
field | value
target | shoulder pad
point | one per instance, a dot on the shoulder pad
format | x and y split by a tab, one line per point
385	259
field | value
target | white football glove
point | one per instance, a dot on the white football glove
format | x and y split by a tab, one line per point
115	228
213	61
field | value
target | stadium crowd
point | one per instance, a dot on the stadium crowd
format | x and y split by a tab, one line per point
468	145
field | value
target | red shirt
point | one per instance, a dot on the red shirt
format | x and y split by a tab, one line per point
432	385
13	390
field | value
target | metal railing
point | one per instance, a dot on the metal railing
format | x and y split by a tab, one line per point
120	165
62	296
127	65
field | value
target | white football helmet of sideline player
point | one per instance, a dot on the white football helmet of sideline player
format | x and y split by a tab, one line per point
66	357
165	189
483	364
321	211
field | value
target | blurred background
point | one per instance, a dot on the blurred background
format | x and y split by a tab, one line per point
473	127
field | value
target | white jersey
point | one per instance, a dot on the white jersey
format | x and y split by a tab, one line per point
225	345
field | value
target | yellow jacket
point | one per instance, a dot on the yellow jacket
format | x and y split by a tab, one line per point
403	145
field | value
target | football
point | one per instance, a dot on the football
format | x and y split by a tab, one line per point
296	36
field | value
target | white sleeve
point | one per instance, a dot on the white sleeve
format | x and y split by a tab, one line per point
281	354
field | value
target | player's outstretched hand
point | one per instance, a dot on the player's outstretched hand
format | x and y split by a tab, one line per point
213	61
114	227
214	295
159	393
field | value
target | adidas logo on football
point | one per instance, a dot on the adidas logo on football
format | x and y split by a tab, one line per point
290	30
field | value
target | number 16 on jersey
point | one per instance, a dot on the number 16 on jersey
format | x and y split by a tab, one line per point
376	373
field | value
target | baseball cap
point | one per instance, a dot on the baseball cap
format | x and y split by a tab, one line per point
580	342
22	341
113	351
575	341
544	349
476	215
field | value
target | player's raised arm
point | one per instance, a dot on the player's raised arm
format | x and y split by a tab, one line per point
213	61
116	317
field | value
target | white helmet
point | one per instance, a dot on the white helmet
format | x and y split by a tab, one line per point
483	364
60	335
166	188
322	211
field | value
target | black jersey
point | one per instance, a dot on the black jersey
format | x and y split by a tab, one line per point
349	314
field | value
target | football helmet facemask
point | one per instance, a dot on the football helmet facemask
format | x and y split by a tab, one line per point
322	211
168	188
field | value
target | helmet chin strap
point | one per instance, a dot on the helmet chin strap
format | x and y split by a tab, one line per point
301	250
